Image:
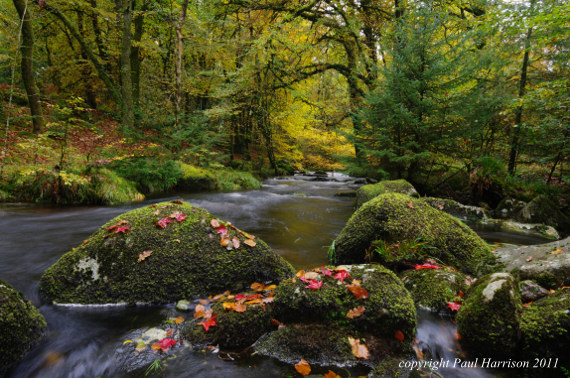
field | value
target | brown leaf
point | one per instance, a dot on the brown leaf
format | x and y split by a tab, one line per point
199	311
235	242
303	367
359	350
529	259
410	204
331	374
250	242
220	296
214	223
144	255
358	291
355	312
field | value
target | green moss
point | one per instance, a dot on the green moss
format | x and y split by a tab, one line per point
225	180
489	319
21	326
433	288
545	328
186	260
546	280
396	217
4	196
389	306
111	189
367	192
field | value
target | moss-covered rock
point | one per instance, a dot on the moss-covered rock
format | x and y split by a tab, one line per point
545	328
367	192
388	306
398	218
531	291
198	179
133	259
458	210
391	367
489	319
21	326
545	210
433	288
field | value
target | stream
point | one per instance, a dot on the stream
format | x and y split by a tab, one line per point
297	216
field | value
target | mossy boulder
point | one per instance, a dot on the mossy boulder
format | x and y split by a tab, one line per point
133	259
545	328
489	319
21	326
545	210
397	218
433	288
367	192
388	306
531	291
458	210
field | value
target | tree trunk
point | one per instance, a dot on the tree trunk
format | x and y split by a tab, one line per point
515	141
27	66
179	59
127	106
136	59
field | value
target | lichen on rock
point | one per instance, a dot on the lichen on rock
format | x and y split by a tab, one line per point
21	326
398	218
134	259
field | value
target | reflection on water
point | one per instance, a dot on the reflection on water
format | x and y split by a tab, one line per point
299	217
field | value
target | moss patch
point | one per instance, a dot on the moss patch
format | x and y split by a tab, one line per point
433	288
396	217
367	192
489	319
21	326
196	179
186	260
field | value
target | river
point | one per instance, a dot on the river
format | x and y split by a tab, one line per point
298	217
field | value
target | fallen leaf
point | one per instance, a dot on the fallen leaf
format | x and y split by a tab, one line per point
140	346
270	287
85	241
527	304
177	201
223	231
163	222
418	351
179	216
239	297
267	300
253	302
358	291
235	242
326	271
254	296
204	301
220	296
303	367
440	206
127	342
211	322
426	266
529	259
234	306
551	291
300	273
399	335
170	332
214	223
257	286
557	251
225	242
331	374
311	275
355	312
178	320
144	255
454	306
342	275
359	350
460	294
314	285
250	242
156	347
276	322
410	204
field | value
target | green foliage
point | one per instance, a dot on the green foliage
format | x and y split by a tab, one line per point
150	175
153	368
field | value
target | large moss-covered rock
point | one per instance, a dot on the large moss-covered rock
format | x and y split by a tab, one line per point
398	218
133	259
489	319
21	326
545	328
433	288
388	306
545	210
367	192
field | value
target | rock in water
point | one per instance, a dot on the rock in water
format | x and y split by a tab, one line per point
396	218
21	326
367	192
489	319
159	254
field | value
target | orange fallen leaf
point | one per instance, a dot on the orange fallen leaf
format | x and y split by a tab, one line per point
303	367
144	255
204	301
557	251
457	336
270	287
359	350
355	312
253	302
178	320
225	242
85	241
235	242
410	204
460	294
358	291
418	351
527	304
399	336
331	374
257	286
551	291
565	287
220	296
300	273
234	306
169	332
250	242
156	347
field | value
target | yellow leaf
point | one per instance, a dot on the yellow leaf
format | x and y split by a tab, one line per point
250	242
127	342
557	251
178	320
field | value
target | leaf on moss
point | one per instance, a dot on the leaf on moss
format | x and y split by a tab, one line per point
178	320
557	251
331	374
359	350
355	312
342	275
303	367
326	271
358	291
163	222
426	266
454	306
234	306
220	296
410	204
178	215
210	322
214	223
399	335
235	242
250	243
225	242
144	255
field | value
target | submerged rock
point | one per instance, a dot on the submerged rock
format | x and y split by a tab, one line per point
397	218
547	264
21	326
433	288
367	192
489	319
545	328
159	254
457	209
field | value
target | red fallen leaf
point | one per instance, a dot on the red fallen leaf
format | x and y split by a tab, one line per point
342	275
454	306
254	296
178	202
410	204
303	367
239	297
358	291
302	278
355	312
222	230
399	336
426	266
179	216
122	229
214	223
211	322
163	222
121	223
314	285
166	343
326	271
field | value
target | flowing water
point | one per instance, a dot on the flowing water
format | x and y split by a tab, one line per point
298	216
